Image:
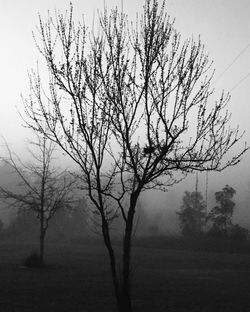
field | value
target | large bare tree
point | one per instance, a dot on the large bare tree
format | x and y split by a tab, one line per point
40	186
130	103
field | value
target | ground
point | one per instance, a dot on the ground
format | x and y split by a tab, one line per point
77	280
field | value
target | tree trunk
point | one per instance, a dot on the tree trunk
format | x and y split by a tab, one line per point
124	300
124	297
42	239
122	289
122	284
41	254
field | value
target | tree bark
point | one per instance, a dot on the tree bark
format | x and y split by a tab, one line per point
124	298
42	237
41	255
116	284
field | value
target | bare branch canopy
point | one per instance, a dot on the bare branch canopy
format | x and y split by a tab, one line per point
131	103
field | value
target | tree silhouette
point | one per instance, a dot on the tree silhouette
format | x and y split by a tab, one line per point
192	215
221	214
42	188
130	105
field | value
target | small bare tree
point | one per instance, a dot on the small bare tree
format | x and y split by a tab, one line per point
130	104
42	188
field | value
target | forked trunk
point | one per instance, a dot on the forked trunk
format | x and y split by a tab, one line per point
122	284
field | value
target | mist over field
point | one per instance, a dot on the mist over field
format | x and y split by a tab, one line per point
159	208
163	206
223	28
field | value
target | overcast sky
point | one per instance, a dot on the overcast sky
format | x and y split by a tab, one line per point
224	26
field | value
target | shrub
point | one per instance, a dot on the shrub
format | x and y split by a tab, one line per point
33	261
239	233
217	233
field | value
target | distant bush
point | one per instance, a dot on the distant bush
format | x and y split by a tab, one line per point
33	261
235	232
217	233
239	233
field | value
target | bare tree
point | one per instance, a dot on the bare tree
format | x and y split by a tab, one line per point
41	188
130	104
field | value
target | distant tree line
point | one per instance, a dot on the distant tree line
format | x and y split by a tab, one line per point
195	221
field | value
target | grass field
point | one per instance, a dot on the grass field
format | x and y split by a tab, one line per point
77	280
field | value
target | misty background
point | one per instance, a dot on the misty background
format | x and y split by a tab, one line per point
224	29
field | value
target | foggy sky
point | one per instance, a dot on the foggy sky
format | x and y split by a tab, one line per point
224	28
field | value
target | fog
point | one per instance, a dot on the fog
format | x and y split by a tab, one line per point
168	269
159	208
162	206
225	31
223	26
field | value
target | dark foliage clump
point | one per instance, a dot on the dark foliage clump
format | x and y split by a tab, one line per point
192	215
221	215
33	261
239	233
